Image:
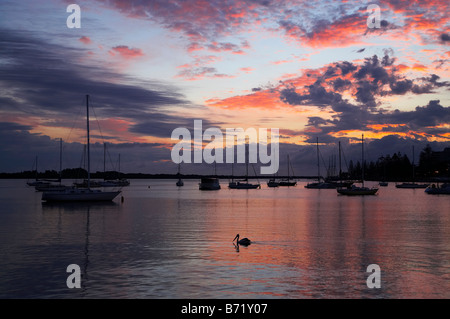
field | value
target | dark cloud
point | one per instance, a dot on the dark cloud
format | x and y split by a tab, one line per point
50	84
444	37
367	83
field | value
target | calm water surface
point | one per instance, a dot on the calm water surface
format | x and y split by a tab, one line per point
170	242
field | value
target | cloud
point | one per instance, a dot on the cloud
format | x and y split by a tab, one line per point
126	52
445	37
85	40
58	93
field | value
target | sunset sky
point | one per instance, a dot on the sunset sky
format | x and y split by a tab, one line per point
313	69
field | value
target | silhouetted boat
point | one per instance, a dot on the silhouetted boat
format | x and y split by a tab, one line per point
319	184
273	183
359	190
436	190
180	181
413	184
244	184
81	194
37	181
209	184
108	182
247	185
383	184
288	181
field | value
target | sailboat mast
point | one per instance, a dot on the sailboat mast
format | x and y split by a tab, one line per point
413	163
362	157
104	160
318	165
60	160
289	164
88	148
340	166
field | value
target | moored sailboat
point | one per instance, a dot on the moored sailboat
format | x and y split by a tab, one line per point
359	190
288	181
413	184
81	194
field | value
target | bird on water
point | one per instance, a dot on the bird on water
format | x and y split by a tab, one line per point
243	241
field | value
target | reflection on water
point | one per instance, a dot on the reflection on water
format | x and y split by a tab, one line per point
176	242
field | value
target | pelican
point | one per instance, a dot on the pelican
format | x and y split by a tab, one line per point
243	241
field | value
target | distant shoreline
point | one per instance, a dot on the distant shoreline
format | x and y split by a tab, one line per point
99	175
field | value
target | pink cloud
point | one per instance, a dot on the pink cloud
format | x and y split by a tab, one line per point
85	40
126	52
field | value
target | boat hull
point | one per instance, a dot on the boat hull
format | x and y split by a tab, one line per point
434	190
78	196
273	184
320	186
209	184
247	186
357	191
285	183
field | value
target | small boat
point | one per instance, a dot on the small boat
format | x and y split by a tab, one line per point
436	190
232	185
356	190
247	185
209	184
288	181
78	194
273	183
384	184
359	190
320	185
180	182
413	184
243	241
244	184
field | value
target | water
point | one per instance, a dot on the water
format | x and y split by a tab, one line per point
170	242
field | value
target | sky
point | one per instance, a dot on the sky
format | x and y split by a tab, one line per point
313	69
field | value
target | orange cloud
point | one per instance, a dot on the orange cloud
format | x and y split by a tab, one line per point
262	99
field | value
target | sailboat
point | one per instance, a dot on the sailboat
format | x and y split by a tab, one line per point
37	181
210	183
81	194
273	183
319	184
232	184
356	190
180	181
245	184
288	181
413	184
54	186
111	182
438	190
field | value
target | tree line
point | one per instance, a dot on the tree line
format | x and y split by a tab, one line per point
399	167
